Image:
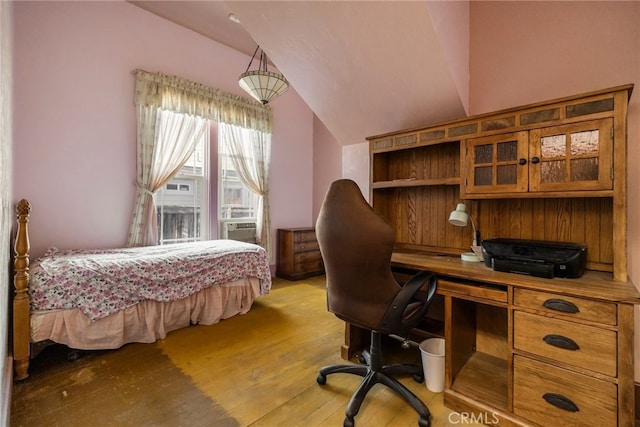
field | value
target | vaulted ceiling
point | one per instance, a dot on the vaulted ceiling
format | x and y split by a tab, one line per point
363	67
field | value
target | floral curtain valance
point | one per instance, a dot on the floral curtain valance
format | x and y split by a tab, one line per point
183	96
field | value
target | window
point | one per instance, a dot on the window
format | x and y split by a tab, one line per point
236	201
183	202
178	187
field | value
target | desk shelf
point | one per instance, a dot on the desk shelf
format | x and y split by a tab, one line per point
484	377
412	182
477	344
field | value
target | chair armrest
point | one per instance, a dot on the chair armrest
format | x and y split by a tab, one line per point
396	319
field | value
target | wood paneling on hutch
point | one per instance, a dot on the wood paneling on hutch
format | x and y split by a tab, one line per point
516	182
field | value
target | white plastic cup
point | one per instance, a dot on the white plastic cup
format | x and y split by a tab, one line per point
432	352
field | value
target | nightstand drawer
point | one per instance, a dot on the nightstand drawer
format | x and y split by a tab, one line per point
548	395
304	236
308	257
568	342
308	266
578	308
310	245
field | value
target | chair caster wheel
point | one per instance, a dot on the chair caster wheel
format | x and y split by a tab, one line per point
361	359
348	422
418	378
424	422
322	379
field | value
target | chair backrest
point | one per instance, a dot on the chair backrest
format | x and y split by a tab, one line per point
356	245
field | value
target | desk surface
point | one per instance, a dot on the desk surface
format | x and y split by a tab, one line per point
593	284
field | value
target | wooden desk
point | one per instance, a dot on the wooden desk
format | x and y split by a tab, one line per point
530	350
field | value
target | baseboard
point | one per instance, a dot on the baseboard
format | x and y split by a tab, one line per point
7	390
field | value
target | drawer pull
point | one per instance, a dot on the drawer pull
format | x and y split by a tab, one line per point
560	305
561	402
561	342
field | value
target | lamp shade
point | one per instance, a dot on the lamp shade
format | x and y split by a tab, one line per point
459	217
263	85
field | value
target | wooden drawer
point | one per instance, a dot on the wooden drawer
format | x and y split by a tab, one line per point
308	257
473	289
308	245
584	346
310	261
551	396
578	308
304	236
308	266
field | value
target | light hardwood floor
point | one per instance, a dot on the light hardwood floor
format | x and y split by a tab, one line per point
258	369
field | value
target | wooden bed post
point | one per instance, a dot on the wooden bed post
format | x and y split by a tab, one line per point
21	327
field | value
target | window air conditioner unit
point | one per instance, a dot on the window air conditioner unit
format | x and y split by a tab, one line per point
242	231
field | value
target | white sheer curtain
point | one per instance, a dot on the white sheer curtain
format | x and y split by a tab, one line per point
250	152
161	156
162	140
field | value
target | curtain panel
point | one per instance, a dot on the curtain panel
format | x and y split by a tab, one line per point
183	96
250	152
159	159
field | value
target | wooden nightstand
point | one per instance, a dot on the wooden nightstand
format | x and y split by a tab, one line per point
298	254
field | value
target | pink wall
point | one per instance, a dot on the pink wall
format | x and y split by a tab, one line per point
523	52
451	24
355	165
74	120
327	159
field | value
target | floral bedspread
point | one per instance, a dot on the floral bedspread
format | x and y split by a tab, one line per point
102	282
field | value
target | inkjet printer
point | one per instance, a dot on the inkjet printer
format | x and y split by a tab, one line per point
535	257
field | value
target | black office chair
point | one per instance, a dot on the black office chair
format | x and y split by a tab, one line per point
356	245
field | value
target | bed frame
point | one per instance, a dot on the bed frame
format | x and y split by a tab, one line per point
21	313
208	305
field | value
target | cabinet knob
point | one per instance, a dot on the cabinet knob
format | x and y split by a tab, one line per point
522	161
535	160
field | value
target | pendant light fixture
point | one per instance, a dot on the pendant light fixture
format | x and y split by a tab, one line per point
261	84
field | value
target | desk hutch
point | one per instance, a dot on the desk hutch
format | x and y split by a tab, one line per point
520	349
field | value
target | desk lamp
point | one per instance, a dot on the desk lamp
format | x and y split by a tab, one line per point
461	218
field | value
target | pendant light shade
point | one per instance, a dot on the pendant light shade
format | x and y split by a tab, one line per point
261	84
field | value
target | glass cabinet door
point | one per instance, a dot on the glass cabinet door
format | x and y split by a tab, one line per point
497	163
572	157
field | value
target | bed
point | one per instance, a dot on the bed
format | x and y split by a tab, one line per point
103	299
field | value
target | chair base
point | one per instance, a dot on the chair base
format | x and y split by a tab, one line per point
374	372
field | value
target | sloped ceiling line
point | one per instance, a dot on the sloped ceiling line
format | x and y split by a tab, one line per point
364	68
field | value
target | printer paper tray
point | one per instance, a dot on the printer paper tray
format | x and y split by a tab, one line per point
536	269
